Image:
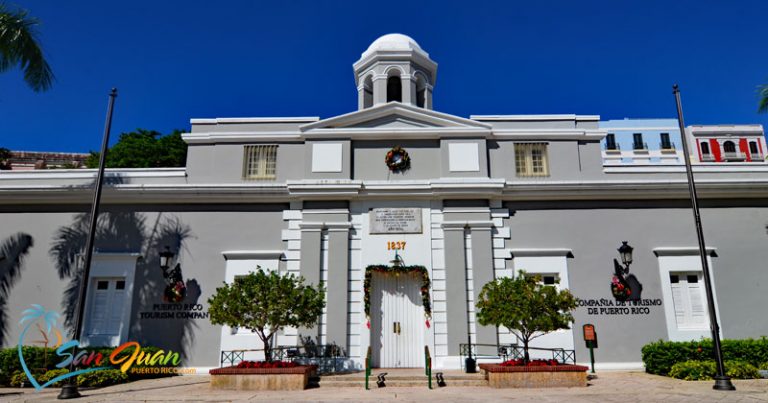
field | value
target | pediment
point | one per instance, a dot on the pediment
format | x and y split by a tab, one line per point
396	116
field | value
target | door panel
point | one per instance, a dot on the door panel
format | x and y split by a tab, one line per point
397	328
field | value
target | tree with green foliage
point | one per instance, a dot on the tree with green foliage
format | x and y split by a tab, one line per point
265	303
144	149
763	105
525	306
19	47
5	157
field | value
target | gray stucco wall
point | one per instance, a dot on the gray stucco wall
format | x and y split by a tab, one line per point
223	163
369	160
208	234
594	234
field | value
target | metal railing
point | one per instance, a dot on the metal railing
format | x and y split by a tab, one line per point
428	366
733	156
505	352
328	353
667	146
639	146
612	147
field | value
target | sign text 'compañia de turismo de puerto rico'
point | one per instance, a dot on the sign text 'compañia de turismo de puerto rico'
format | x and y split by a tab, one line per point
123	357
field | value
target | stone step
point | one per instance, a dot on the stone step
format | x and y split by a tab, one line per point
357	380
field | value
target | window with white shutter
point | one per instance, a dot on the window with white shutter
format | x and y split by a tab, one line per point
689	300
107	304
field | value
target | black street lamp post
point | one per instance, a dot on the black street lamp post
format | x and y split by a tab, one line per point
69	390
722	382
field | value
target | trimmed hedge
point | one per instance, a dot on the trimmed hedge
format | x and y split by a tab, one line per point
660	356
705	370
40	361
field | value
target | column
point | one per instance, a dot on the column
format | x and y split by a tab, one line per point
310	264
482	273
337	288
456	288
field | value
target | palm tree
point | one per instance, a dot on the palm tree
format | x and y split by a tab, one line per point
12	252
19	47
763	105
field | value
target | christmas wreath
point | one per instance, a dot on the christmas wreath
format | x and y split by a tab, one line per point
620	289
175	292
397	270
397	159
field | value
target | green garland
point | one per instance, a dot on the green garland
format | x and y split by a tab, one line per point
425	283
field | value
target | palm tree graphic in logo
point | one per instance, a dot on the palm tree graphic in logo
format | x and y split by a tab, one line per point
46	322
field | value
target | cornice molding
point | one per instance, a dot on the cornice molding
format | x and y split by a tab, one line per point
252	254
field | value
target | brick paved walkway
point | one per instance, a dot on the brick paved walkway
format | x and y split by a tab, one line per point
624	387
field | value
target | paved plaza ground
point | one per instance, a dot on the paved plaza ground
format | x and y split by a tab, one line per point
624	387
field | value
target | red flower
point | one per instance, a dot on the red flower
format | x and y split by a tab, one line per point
264	364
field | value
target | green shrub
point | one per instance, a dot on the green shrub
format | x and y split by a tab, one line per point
101	378
52	374
39	360
660	356
19	379
741	370
704	370
763	366
693	370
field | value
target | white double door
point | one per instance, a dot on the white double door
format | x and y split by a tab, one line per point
397	321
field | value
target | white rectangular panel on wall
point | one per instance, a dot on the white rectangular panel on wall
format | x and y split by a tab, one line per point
463	157
326	157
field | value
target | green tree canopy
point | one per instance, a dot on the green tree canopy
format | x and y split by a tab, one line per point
265	303
763	105
525	306
144	149
5	156
19	48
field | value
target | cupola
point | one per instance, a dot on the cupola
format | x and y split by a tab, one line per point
395	69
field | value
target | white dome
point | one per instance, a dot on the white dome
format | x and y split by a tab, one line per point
393	42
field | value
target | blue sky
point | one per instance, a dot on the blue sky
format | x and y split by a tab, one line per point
176	60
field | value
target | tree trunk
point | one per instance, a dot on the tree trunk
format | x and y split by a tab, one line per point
526	357
265	340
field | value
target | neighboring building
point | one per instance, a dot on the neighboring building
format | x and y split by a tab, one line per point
641	142
482	198
29	160
728	143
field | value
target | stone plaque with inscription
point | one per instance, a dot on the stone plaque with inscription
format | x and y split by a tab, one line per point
395	221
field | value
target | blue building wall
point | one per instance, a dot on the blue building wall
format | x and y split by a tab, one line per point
651	129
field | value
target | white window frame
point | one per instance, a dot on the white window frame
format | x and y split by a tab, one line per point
684	285
258	159
110	266
240	263
524	159
544	262
684	260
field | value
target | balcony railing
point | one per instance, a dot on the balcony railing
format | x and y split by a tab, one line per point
612	147
707	158
640	146
667	146
734	156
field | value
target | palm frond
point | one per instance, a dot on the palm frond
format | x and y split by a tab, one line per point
19	47
763	93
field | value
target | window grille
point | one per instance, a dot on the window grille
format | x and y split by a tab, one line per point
260	162
531	159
